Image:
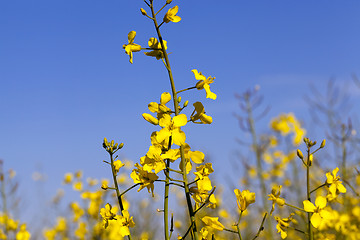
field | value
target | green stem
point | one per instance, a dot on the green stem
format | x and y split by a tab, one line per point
310	235
185	89
295	207
137	184
237	225
322	185
176	108
117	188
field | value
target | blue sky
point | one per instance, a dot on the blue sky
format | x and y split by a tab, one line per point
66	82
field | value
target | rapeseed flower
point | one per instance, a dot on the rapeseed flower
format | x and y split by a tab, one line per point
146	179
131	46
171	127
204	83
156	45
213	222
108	213
170	16
335	185
283	224
200	114
275	197
244	198
319	213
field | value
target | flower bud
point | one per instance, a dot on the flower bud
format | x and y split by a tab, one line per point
104	186
148	117
143	12
323	143
168	1
300	154
179	99
121	145
186	103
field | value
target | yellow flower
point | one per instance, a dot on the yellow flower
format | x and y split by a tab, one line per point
117	165
195	156
124	222
213	222
171	127
23	234
204	83
318	210
154	159
77	210
146	179
275	197
171	15
131	46
244	198
283	224
200	114
156	45
81	231
68	178
336	186
108	213
78	186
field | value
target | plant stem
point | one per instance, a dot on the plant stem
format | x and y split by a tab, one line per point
117	188
310	235
237	225
176	108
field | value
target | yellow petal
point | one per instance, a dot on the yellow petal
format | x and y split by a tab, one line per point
209	94
131	36
213	223
180	120
316	220
165	120
308	206
178	137
198	76
320	202
197	156
165	98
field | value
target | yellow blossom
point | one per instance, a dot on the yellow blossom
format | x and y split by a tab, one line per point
204	83
156	45
244	198
335	185
108	213
171	127
68	178
131	46
200	114
81	231
171	15
319	213
275	197
283	224
23	234
213	222
117	165
146	179
124	222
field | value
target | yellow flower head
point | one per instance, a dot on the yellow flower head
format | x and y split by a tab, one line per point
23	234
108	213
146	179
131	46
335	185
244	198
275	197
124	222
156	45
213	222
171	15
319	213
200	114
283	224
204	83
171	127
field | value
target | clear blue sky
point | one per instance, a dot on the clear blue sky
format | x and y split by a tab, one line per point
66	82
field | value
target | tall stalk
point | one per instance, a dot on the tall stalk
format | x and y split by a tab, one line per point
176	108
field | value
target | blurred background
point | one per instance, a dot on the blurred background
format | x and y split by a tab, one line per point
66	83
